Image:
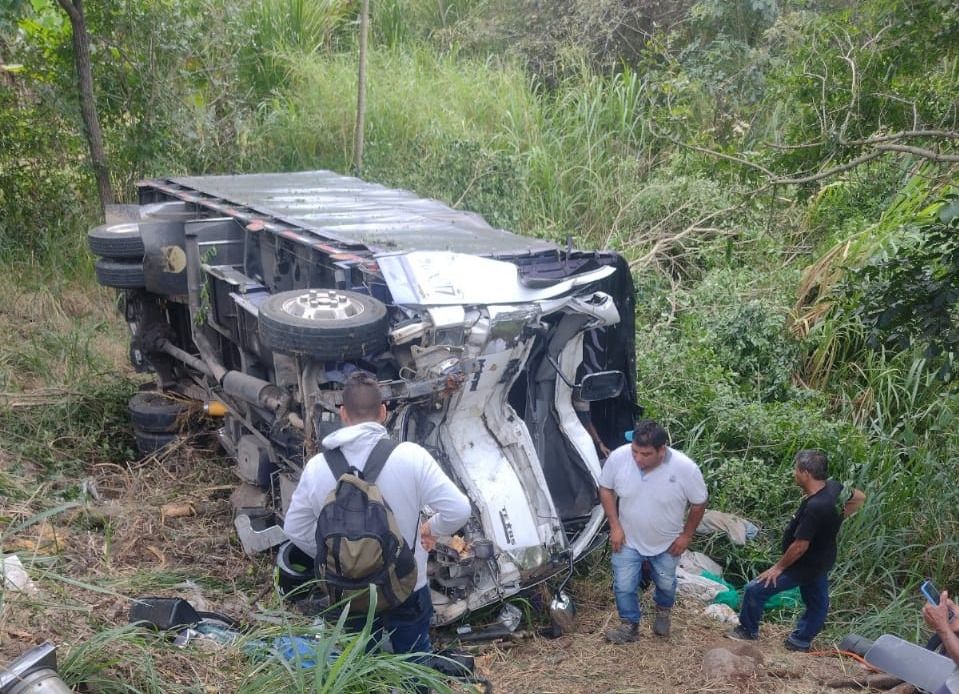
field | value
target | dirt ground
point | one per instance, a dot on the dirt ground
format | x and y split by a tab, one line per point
163	527
585	662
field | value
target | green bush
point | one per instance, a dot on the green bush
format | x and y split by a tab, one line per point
45	203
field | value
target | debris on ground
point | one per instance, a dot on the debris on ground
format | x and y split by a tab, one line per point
733	663
865	681
15	576
722	613
737	529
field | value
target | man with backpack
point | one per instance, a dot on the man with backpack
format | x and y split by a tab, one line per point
364	529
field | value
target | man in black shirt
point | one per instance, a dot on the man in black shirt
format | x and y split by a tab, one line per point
809	552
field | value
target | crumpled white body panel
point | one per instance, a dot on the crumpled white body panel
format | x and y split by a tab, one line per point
441	278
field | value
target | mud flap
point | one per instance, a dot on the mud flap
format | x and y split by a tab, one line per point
255	541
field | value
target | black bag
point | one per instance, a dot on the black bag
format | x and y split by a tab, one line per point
358	542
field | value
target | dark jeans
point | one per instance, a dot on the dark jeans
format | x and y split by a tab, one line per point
408	624
815	594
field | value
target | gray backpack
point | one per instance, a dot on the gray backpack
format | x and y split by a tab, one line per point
358	542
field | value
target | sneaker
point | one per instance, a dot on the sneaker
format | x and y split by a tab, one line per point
661	625
626	632
791	645
740	634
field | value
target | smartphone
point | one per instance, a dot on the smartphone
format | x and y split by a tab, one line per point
929	590
931	593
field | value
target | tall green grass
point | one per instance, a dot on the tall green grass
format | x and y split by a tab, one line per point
93	663
130	659
477	134
335	662
279	29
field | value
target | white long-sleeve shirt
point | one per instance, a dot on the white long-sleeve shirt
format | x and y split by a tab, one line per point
410	480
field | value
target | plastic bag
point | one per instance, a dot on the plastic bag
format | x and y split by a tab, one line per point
698	564
730	596
786	600
698	587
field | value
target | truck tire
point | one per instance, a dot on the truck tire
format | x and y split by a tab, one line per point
326	324
157	413
122	274
151	442
116	240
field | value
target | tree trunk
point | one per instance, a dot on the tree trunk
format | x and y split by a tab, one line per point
88	102
361	92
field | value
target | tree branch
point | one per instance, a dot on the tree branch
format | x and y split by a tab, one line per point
71	10
919	152
880	145
714	153
851	164
947	134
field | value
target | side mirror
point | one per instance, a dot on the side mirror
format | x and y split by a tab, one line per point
601	385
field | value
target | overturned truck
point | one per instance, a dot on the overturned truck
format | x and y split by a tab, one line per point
259	294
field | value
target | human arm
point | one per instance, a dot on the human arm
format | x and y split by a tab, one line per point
693	519
427	538
854	503
697	495
789	557
581	407
299	523
607	497
937	617
450	506
597	440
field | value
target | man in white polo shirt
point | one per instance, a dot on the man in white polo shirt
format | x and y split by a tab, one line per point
654	486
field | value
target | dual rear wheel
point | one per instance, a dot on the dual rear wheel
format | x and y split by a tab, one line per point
158	418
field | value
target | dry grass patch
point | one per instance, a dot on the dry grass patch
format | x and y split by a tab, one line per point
90	561
585	662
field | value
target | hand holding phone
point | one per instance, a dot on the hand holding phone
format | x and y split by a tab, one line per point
932	593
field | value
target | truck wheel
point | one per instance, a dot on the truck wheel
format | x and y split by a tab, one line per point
119	273
155	412
116	240
327	324
150	442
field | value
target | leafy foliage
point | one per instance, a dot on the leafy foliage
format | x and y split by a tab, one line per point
909	295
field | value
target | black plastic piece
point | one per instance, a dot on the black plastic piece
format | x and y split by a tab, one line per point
453	662
164	613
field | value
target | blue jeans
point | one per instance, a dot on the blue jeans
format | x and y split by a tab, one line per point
627	572
408	624
815	594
